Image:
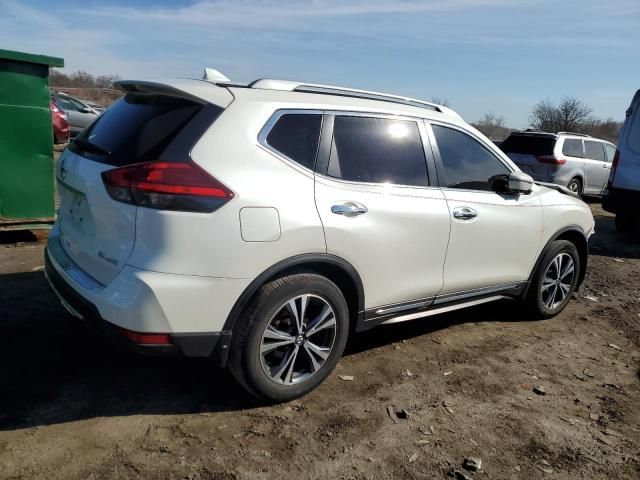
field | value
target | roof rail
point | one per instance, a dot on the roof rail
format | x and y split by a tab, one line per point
575	134
292	86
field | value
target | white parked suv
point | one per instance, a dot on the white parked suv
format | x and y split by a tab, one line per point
579	162
260	225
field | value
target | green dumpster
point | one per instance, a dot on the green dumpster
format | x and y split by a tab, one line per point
26	141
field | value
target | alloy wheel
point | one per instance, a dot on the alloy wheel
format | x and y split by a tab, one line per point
557	281
298	339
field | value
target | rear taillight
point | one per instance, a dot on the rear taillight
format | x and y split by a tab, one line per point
166	185
614	166
551	159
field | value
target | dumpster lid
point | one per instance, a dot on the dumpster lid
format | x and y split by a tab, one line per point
31	58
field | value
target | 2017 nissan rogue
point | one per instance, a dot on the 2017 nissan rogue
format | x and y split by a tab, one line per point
262	224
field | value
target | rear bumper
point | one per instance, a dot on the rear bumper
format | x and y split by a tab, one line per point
199	344
616	200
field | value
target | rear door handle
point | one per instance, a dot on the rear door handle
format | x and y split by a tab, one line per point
464	213
349	209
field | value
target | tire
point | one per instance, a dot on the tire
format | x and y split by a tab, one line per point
311	351
575	185
539	301
627	223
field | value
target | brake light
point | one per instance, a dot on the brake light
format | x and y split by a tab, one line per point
614	166
551	159
167	186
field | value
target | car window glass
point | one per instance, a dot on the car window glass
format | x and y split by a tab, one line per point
138	128
633	135
611	151
572	147
296	135
78	105
377	150
593	150
466	163
529	144
65	104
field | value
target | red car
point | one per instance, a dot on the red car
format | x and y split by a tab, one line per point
60	126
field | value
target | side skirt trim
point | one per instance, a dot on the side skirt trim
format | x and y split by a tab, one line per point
426	307
443	309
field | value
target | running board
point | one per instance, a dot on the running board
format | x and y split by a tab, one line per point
443	309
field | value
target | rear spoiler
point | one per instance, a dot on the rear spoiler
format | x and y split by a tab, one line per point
558	188
196	90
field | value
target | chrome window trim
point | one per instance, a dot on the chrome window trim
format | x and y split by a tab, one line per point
273	119
264	133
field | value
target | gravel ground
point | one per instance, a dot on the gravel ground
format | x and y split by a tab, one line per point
73	407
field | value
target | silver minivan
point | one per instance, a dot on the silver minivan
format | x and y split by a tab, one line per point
579	162
622	195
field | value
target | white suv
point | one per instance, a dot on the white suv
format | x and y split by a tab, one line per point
261	224
576	161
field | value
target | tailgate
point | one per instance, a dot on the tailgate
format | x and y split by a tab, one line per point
96	232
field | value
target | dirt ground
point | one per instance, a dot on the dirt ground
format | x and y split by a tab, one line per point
72	407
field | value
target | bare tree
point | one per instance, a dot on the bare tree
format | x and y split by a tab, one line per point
606	129
81	79
571	115
492	126
441	101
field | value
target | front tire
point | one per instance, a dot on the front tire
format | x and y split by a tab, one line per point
554	281
290	337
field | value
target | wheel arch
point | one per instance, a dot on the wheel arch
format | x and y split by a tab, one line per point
578	175
335	268
573	234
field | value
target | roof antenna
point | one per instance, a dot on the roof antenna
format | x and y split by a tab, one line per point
213	75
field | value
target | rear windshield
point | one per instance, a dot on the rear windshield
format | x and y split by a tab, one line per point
529	144
135	129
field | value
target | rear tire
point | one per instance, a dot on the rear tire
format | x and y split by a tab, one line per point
275	356
575	185
554	281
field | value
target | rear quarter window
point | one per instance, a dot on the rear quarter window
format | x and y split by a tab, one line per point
296	135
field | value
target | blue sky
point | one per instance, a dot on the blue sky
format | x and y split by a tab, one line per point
496	56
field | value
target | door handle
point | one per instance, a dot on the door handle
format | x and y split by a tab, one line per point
349	209
464	213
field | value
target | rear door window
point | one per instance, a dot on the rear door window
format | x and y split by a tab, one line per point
572	147
611	151
466	163
529	145
136	129
593	150
296	135
377	150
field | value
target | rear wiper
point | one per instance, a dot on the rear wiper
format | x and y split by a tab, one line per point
90	147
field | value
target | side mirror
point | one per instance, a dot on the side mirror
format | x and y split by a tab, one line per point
86	110
520	182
